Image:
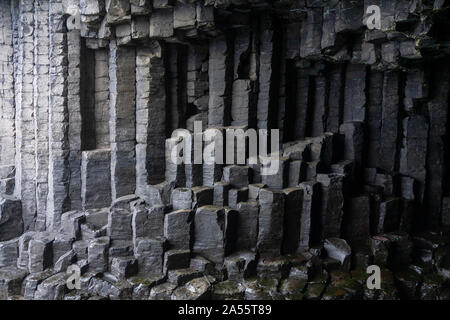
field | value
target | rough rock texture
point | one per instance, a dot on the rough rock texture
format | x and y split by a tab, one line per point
97	97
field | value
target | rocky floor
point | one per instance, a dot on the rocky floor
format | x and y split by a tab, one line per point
311	276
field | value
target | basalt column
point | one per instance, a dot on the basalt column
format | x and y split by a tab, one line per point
25	142
150	116
122	75
59	152
41	108
7	105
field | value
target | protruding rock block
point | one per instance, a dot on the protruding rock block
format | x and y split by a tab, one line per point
236	176
61	245
98	254
184	16
221	190
9	253
270	220
338	249
178	229
176	259
182	198
237	195
209	233
124	267
202	196
11	223
40	252
119	224
24	241
279	178
150	254
148	221
52	288
292	219
309	214
118	11
253	190
71	223
332	203
247	226
296	173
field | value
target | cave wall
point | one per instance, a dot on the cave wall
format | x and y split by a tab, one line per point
91	92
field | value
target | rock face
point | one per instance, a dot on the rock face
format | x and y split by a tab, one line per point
100	99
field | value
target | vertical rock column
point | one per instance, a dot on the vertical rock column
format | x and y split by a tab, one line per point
175	109
59	172
355	97
7	105
41	105
270	221
122	68
74	108
413	154
332	203
373	117
302	102
335	98
150	116
197	79
265	86
101	96
243	101
438	117
389	121
220	77
26	162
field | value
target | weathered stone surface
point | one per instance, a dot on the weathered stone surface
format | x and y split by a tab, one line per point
178	228
119	224
150	254
124	267
11	282
11	223
148	221
40	252
209	233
